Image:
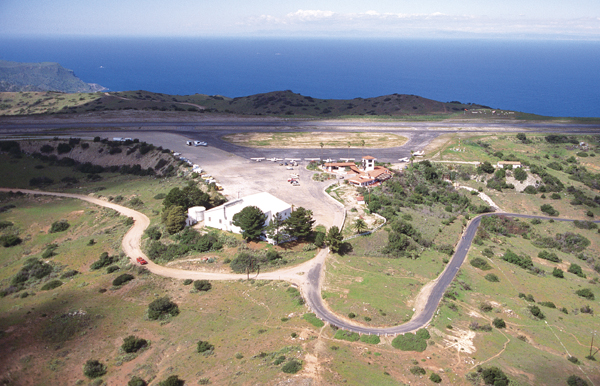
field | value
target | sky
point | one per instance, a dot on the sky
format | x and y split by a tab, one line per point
511	19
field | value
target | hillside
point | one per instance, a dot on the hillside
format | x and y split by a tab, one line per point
41	77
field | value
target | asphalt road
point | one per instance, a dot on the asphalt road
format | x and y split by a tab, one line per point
421	319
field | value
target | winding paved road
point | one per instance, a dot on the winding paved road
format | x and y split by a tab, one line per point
308	276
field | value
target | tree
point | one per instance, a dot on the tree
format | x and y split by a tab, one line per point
334	239
133	344
521	137
136	381
174	218
574	380
162	307
520	174
486	167
252	222
94	369
359	225
494	376
59	226
274	228
173	380
204	346
300	223
244	262
499	323
202	285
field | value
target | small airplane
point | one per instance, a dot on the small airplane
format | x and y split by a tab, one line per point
418	153
329	160
405	159
312	159
274	159
293	159
258	159
347	159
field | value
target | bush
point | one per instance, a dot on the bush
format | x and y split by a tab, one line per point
136	381
94	369
557	272
52	284
499	323
187	281
409	342
292	366
312	319
480	263
153	233
547	304
173	380
202	285
347	335
133	344
112	268
417	370
162	307
585	293
494	376
535	311
530	189
205	347
574	380
59	226
103	261
492	278
435	378
549	210
122	279
573	359
370	339
8	241
550	256
576	269
69	273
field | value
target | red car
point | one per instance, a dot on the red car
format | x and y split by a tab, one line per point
141	260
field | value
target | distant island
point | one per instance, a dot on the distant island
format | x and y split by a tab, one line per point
47	76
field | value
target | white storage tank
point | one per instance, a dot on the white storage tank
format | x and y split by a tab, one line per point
195	214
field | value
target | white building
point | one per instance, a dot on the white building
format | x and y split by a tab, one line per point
221	217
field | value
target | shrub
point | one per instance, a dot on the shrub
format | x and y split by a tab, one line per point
292	366
535	311
585	293
494	376
312	319
549	210
52	284
417	370
173	380
435	378
370	339
202	285
133	344
557	272
8	241
280	359
187	281
530	189
499	323
492	278
574	380
352	315
94	369
205	347
475	326
122	279
480	263
59	226
550	256
69	273
547	304
409	342
576	269
112	268
103	261
136	381
162	307
555	196
573	359
347	335
153	233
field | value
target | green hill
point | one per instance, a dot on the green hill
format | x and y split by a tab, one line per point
45	76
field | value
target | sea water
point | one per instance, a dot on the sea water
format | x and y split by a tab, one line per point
553	78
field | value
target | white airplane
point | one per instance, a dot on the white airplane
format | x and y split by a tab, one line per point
258	159
347	159
405	159
312	159
274	159
329	160
419	153
293	159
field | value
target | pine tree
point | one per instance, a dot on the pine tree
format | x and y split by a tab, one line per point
300	223
334	239
252	222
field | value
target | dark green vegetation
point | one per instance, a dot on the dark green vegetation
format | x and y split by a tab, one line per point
412	342
252	222
162	308
94	369
202	285
41	77
133	344
312	319
122	279
204	347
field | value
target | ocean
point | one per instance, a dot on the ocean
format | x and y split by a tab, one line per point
553	78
